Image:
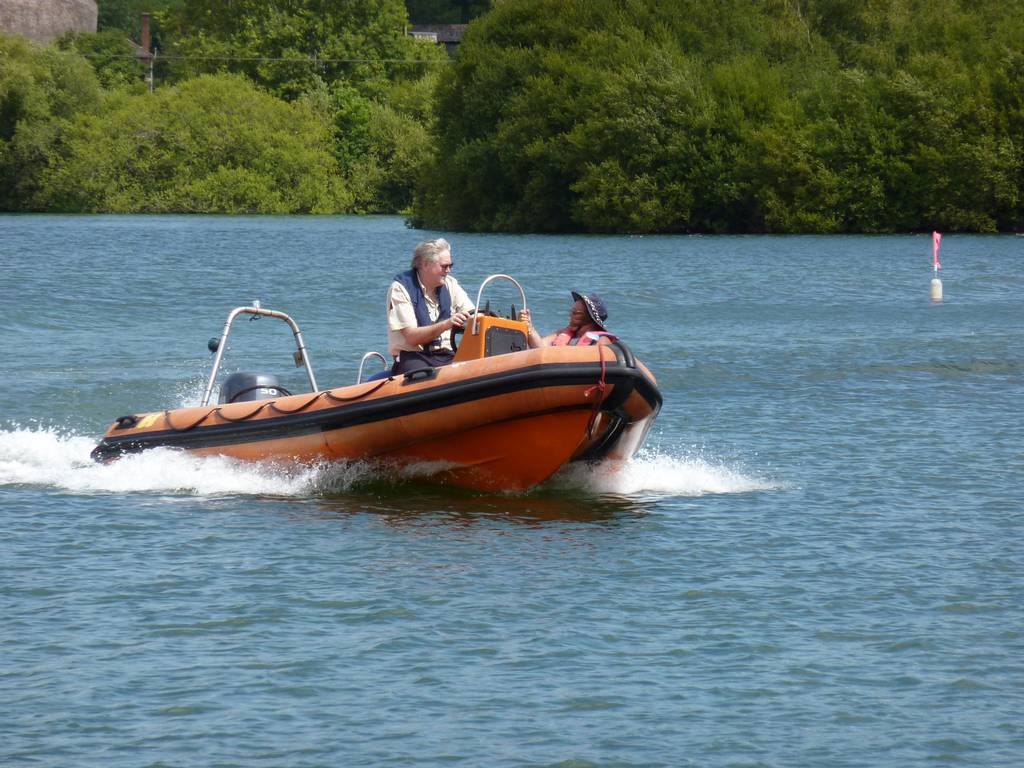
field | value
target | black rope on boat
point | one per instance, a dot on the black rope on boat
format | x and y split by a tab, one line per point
370	391
193	425
273	404
220	412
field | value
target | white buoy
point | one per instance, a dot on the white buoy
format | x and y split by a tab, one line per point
936	266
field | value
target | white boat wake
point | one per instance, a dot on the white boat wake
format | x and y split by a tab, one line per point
662	474
51	458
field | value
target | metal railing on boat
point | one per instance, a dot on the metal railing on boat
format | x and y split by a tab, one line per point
480	293
368	356
301	355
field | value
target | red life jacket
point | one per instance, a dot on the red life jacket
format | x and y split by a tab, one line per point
565	338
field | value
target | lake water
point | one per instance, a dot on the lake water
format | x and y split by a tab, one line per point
818	560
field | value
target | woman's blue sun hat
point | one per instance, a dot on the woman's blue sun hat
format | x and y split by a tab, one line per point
595	307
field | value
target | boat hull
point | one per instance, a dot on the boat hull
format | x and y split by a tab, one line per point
499	423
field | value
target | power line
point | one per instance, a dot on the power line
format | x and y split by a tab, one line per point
262	59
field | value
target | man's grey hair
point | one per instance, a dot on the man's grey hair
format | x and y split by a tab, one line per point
429	251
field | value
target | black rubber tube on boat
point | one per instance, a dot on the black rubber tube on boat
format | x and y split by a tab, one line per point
627	354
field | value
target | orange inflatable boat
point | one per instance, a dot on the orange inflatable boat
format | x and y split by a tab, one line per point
501	417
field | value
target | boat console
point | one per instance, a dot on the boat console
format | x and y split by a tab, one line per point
489	334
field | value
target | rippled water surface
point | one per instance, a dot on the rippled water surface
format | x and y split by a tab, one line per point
818	560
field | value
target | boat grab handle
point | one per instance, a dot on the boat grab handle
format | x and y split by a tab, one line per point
421	374
367	356
480	293
301	355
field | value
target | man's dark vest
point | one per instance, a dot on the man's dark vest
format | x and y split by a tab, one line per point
411	283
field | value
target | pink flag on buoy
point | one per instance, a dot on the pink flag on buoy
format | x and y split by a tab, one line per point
936	239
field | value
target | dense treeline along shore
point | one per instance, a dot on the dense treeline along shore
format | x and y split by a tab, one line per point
596	116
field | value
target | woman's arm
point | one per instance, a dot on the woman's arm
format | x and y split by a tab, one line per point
533	339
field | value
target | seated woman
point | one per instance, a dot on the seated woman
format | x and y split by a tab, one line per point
586	325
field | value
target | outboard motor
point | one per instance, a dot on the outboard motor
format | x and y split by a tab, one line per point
242	386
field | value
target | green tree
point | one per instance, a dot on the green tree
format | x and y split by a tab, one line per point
777	116
40	88
382	144
598	123
352	58
215	144
291	46
111	55
124	15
